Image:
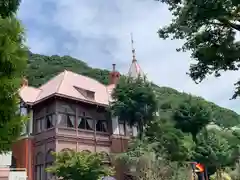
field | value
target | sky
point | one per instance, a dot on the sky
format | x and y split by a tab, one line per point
98	32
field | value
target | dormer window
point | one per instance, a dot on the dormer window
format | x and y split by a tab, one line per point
90	94
86	93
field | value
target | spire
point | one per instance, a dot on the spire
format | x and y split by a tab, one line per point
133	49
135	70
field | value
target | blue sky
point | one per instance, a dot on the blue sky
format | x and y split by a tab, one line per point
98	32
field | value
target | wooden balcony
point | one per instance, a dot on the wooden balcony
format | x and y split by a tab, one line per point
82	134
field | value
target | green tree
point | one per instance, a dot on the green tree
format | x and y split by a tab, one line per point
191	117
170	143
143	163
213	151
134	101
79	165
13	58
9	7
209	28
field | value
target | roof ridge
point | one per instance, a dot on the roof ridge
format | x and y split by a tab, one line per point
60	84
86	77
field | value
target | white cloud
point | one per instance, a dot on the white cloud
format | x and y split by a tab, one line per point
97	21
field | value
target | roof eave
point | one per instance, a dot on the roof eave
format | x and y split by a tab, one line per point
69	97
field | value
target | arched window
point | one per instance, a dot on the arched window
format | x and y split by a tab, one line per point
105	157
49	159
67	150
39	171
86	151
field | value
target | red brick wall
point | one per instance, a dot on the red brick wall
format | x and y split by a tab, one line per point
24	155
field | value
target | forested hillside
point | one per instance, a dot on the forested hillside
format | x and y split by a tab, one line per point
41	68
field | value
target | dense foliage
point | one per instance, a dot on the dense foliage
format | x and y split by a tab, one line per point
209	29
191	117
42	68
9	7
79	165
169	142
214	151
13	60
134	101
144	164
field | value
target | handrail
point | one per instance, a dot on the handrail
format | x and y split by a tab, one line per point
13	169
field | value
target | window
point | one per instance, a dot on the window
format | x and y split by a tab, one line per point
39	169
85	123
86	151
90	94
105	157
50	121
66	117
66	120
135	130
122	130
67	152
39	125
101	125
23	111
86	93
49	162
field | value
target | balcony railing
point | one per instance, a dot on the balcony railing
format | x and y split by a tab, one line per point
13	173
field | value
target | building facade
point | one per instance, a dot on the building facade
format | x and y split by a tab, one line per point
69	112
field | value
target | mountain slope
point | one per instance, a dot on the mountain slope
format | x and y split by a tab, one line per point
41	68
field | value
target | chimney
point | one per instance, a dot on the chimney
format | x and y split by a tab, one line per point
24	82
114	75
113	67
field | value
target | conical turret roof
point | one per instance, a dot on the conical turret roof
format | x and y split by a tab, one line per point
135	70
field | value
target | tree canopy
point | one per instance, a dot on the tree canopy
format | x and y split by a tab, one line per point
79	165
9	7
213	150
209	28
169	142
191	117
134	101
13	59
